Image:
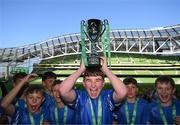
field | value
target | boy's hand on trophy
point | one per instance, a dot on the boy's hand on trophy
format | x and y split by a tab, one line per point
82	66
103	63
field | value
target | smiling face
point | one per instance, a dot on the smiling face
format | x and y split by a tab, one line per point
165	92
93	85
34	101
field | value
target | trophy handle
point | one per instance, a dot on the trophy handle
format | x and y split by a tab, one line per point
83	22
104	24
84	25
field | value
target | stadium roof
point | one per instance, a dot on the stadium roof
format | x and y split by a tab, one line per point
160	40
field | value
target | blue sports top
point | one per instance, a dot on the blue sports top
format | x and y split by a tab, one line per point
27	118
140	116
65	115
83	104
156	118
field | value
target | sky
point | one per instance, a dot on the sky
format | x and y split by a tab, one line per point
24	22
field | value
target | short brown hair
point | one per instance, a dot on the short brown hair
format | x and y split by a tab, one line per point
93	72
48	74
165	79
130	80
34	88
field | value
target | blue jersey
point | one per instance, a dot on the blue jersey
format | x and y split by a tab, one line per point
141	117
20	103
82	105
155	117
49	100
64	115
28	118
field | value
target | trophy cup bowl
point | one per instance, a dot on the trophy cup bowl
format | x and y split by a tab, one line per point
94	32
94	29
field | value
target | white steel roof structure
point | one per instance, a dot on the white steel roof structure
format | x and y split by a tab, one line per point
161	40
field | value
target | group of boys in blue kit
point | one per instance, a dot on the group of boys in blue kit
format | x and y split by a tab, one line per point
165	110
58	102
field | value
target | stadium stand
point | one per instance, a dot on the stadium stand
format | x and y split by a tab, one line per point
142	53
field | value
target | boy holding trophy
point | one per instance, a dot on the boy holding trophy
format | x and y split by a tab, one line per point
94	104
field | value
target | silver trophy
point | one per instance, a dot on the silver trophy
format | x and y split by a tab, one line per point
94	31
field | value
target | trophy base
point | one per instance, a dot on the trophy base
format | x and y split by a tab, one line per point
93	61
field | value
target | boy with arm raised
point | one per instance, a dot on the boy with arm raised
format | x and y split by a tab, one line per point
94	104
34	98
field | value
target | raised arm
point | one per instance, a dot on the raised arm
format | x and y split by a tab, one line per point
7	100
118	86
66	87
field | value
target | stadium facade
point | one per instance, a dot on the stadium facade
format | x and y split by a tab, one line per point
153	41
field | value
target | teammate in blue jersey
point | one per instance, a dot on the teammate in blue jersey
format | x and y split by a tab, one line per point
133	110
47	80
61	113
33	114
19	99
166	110
94	104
